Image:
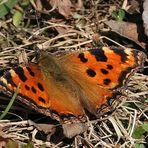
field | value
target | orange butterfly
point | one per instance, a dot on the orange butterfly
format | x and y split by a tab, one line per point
65	87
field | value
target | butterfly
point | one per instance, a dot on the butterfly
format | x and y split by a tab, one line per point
68	86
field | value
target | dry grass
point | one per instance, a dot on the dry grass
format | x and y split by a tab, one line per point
20	46
112	131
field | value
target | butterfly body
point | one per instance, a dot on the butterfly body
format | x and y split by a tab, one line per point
64	87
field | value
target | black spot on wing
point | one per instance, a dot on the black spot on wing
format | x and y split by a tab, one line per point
104	71
109	67
33	89
40	86
106	81
8	77
82	58
121	52
91	72
27	87
30	71
42	100
99	54
20	72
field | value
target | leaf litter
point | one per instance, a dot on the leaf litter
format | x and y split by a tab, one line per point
74	30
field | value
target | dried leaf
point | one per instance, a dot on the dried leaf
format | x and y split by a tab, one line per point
64	7
145	16
39	5
71	130
128	30
46	128
79	5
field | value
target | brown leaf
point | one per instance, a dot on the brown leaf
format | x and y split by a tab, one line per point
79	5
134	7
145	16
128	30
39	5
46	128
71	130
64	7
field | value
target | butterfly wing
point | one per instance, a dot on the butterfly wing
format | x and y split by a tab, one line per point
101	73
61	88
40	91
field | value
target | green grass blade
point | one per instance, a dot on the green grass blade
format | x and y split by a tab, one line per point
10	103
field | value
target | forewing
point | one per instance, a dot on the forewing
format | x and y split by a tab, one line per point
43	93
100	72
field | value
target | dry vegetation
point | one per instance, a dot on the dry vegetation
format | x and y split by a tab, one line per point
59	31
